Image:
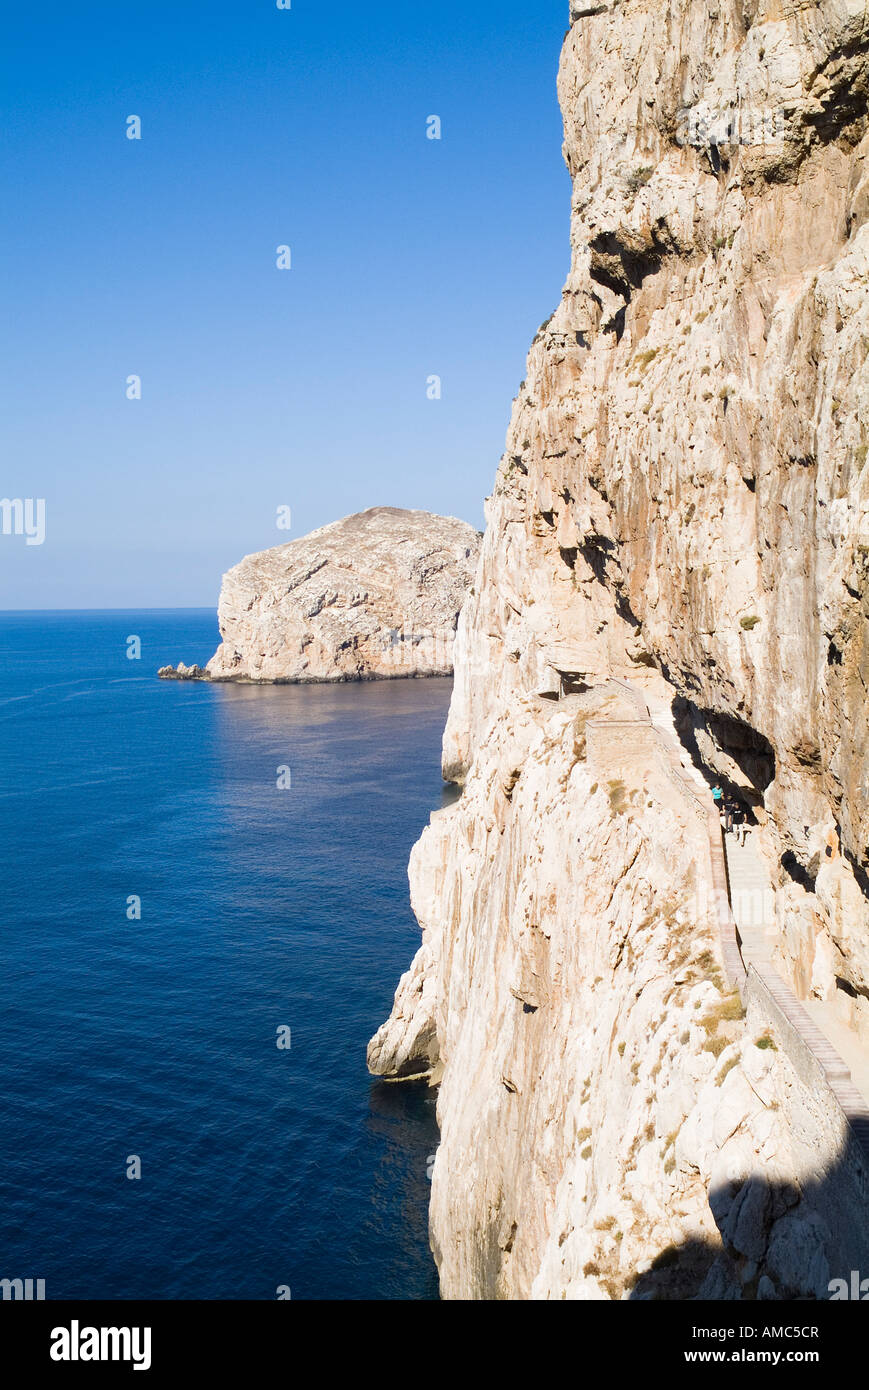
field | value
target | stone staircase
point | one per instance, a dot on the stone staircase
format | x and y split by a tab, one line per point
752	899
834	1046
820	1043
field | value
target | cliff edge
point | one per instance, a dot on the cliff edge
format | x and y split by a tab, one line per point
683	507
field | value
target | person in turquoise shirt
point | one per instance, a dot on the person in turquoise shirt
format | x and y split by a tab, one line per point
723	808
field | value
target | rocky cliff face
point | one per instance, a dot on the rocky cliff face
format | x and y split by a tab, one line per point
684	502
373	596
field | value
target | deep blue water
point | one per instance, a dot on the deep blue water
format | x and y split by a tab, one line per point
260	908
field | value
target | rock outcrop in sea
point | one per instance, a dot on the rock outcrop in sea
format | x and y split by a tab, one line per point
680	525
374	596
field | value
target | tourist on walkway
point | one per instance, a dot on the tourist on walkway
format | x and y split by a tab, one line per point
722	808
742	826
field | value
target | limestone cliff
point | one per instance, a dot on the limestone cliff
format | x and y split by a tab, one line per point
683	504
375	595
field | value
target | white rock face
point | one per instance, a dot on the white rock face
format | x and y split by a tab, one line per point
373	596
684	500
609	1128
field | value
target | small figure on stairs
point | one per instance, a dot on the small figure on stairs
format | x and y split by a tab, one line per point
723	807
741	826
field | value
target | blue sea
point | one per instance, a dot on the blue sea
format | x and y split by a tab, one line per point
263	908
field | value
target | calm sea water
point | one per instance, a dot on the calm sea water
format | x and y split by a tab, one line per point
260	908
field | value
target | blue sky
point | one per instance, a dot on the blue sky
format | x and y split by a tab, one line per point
261	388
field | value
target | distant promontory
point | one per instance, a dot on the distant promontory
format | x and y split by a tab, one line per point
374	596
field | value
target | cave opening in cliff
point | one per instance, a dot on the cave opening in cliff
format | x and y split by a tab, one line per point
706	734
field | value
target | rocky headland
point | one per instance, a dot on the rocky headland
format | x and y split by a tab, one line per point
372	597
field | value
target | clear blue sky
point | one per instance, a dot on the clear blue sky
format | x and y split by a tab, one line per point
262	387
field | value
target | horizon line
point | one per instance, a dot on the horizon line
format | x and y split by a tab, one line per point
127	608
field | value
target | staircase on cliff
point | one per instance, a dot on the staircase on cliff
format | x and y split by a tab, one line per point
752	901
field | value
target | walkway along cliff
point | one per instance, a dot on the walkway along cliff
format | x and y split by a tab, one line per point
681	517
